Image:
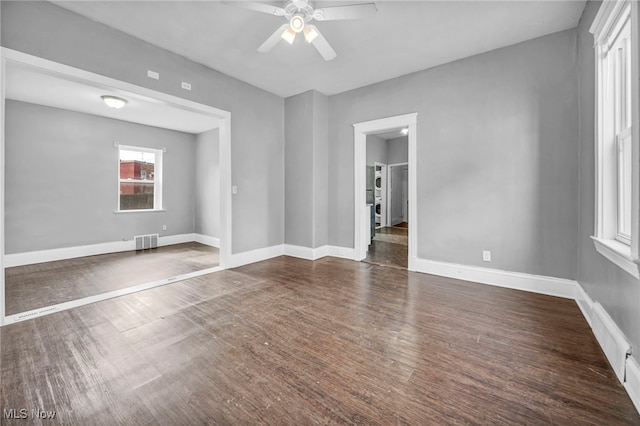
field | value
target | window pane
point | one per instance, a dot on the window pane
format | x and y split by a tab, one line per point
619	90
137	165
136	195
624	186
628	83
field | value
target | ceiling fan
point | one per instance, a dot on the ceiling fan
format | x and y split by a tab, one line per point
299	14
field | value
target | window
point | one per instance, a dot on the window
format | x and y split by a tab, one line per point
139	178
616	138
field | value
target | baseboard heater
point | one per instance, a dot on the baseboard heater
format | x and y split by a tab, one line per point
613	343
144	242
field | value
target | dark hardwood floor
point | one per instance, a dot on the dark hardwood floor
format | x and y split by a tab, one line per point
35	286
293	342
390	247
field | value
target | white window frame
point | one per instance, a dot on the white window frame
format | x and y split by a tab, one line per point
619	247
157	177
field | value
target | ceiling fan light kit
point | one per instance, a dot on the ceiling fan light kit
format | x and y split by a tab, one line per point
288	35
310	33
297	23
299	13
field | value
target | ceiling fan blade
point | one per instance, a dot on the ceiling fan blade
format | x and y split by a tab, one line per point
355	11
322	46
273	39
255	6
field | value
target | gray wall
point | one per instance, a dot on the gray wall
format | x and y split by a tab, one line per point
396	195
298	170
257	122
617	291
496	154
376	150
61	179
207	184
398	150
320	170
306	170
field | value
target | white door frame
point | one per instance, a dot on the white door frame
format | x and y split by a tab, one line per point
360	132
389	167
220	119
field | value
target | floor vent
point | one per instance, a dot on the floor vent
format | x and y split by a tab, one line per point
36	313
144	242
613	343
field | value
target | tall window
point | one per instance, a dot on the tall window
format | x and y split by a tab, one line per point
616	192
139	178
617	56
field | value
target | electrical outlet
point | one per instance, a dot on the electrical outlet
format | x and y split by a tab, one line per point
164	227
234	189
153	74
186	86
486	255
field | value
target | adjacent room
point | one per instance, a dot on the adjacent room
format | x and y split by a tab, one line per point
319	212
137	188
387	197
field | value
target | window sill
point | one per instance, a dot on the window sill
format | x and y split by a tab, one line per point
138	211
617	253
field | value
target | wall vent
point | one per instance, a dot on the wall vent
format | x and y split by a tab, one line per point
144	242
613	343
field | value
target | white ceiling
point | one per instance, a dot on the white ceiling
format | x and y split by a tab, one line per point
37	87
391	134
403	37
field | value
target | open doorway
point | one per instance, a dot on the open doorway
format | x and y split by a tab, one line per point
93	238
387	168
362	209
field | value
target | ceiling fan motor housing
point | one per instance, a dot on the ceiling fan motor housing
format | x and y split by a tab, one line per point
303	8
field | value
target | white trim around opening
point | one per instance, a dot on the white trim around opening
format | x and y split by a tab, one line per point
361	130
220	119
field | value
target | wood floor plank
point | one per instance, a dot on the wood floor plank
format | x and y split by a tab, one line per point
390	247
43	284
289	341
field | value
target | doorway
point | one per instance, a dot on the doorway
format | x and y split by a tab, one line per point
382	244
217	121
387	166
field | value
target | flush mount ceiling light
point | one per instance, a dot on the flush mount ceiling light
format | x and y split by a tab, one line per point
114	101
299	13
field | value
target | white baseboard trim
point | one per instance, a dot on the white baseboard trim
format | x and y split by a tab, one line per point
585	303
175	239
306	252
300	252
342	252
558	287
632	381
207	240
611	339
40	256
257	255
